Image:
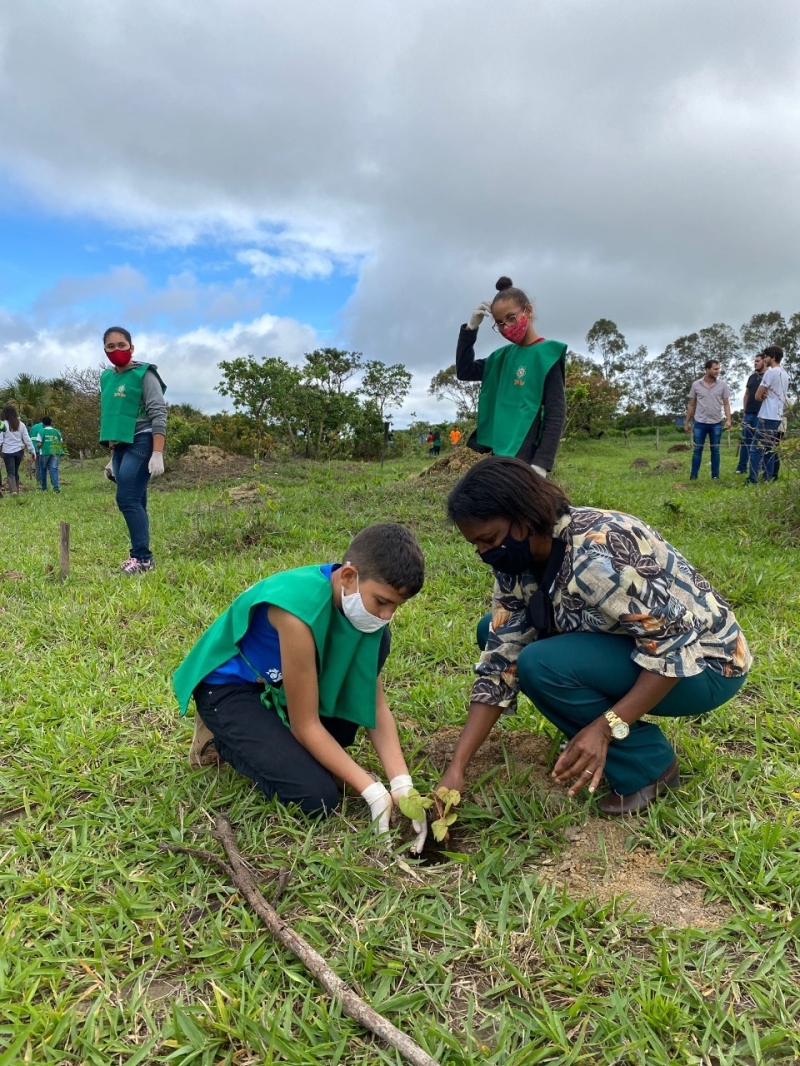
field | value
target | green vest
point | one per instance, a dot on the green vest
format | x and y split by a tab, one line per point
35	431
51	441
121	402
511	393
347	659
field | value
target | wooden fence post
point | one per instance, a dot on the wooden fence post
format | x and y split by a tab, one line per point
63	550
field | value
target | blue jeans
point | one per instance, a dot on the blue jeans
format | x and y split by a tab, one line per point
129	463
762	450
713	430
749	424
573	678
45	463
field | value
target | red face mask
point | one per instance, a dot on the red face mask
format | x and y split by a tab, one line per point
120	357
516	333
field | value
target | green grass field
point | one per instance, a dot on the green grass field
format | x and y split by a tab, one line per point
517	950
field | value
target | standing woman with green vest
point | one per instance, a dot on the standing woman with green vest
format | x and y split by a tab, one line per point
522	406
133	423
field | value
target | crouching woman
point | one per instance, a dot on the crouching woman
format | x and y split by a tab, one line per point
599	621
283	679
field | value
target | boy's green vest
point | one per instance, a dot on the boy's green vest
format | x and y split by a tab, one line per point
34	433
121	402
51	442
511	393
347	659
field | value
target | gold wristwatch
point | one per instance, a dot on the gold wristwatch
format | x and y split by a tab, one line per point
619	729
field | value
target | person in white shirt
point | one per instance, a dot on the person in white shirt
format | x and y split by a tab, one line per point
14	439
773	393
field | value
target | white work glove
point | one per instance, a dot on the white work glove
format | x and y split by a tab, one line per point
540	470
380	805
481	311
108	470
401	786
156	464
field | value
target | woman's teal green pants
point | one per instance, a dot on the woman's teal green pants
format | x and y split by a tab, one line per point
573	678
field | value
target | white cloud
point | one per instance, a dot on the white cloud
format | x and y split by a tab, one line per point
188	362
625	160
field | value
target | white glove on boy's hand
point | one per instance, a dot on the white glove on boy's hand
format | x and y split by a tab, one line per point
540	470
156	464
108	470
380	805
401	786
478	315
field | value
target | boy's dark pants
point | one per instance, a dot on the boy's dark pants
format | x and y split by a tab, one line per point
257	744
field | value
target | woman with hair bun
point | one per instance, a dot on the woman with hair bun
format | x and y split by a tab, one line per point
522	405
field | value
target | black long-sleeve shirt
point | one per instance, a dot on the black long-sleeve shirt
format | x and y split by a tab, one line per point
543	438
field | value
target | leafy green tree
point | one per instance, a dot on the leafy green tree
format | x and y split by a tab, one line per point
464	394
763	329
266	390
331	367
605	341
29	394
385	384
592	399
683	361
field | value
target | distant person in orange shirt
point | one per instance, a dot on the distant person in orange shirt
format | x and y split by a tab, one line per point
455	436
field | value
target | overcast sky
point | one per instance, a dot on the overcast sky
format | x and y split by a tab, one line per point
234	176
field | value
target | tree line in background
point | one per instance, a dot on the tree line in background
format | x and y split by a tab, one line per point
337	404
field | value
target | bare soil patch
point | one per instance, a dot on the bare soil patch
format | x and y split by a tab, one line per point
602	858
202	463
453	464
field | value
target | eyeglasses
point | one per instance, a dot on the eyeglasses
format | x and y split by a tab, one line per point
509	320
120	346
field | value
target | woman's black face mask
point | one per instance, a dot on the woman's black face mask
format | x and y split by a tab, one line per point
511	556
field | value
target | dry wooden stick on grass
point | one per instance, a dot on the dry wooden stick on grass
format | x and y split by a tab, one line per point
352	1004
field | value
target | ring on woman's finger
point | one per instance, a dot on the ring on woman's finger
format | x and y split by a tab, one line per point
589	772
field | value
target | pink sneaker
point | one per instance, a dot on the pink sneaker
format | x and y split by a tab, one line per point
137	566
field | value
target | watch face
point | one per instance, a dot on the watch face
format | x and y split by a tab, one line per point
620	730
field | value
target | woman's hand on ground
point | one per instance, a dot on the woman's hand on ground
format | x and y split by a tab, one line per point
452	778
583	759
481	311
401	786
380	805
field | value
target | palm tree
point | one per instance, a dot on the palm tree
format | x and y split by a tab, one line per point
30	395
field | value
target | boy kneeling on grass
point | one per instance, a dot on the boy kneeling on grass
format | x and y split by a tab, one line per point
284	678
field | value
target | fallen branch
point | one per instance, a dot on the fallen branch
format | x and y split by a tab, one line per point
352	1004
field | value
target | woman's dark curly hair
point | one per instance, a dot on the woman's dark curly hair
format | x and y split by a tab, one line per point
503	487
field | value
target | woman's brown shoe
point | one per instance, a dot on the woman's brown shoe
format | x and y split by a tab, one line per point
636	802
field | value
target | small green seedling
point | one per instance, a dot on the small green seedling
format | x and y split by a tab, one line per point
414	806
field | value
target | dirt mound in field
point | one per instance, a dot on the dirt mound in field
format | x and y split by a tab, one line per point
668	464
204	462
679	448
602	858
454	464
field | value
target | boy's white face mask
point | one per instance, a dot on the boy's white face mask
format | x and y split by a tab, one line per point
357	614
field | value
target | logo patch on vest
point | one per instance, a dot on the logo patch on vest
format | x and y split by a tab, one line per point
520	376
120	391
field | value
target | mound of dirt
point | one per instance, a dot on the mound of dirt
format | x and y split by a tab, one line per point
640	463
454	464
679	448
204	462
601	858
250	494
668	464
